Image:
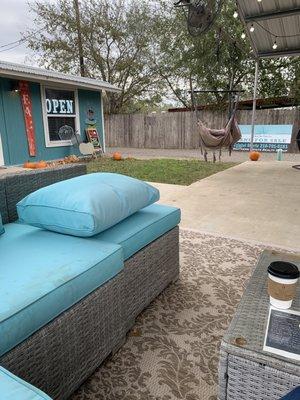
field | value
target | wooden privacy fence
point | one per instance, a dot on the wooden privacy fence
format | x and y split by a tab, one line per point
177	130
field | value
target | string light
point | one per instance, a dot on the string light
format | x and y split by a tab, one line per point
252	29
274	34
243	35
235	14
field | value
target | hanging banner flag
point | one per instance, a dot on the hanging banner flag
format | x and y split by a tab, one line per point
27	111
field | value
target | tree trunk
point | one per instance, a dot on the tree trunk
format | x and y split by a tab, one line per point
294	147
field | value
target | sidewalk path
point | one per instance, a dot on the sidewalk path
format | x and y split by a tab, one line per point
252	201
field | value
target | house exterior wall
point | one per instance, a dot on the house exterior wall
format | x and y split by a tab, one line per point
12	125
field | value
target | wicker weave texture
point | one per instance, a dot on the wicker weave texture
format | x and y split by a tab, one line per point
248	380
148	272
19	185
250	322
3	205
61	355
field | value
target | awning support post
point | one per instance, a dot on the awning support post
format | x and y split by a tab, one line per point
254	105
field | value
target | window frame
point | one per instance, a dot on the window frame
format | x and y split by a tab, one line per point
58	143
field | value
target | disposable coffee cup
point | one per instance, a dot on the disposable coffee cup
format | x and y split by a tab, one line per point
282	283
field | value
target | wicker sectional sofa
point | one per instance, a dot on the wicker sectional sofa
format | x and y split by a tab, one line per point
62	353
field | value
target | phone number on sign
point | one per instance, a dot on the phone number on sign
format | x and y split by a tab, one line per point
261	146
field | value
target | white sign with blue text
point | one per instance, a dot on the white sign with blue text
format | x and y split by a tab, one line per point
266	137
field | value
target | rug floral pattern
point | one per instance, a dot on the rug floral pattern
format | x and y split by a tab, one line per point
172	352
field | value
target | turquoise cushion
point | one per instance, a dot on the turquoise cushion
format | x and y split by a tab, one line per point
44	273
86	205
141	228
14	388
1	226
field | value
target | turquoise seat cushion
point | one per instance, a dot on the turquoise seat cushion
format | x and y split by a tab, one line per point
14	388
2	230
43	273
86	205
141	228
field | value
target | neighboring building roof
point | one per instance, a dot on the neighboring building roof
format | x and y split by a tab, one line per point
269	103
273	21
19	71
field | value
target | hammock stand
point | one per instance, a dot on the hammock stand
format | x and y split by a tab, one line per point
201	16
217	139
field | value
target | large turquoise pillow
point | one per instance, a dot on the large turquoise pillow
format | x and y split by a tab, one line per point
1	226
86	205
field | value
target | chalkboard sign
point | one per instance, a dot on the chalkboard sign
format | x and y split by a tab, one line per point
283	333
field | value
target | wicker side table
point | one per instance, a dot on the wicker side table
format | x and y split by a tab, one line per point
246	372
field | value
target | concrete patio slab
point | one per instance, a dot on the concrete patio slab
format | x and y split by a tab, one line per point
253	201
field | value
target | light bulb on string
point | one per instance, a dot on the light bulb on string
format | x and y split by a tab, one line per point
243	35
275	45
252	29
235	14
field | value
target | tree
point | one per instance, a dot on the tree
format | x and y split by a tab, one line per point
144	48
219	59
117	40
215	60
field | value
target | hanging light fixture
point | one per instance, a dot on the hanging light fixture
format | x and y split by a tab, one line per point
275	45
235	14
252	29
243	35
14	87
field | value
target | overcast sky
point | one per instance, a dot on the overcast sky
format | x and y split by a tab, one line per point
15	19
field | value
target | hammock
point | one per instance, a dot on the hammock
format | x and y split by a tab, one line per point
217	139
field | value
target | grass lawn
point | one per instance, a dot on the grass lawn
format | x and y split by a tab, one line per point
179	172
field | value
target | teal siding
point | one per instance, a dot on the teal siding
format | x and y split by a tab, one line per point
3	130
12	126
88	99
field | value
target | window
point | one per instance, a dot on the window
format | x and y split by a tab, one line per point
60	107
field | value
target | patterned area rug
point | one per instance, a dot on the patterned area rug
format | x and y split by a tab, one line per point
172	353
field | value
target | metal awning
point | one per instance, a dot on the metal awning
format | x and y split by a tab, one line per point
276	25
273	28
20	71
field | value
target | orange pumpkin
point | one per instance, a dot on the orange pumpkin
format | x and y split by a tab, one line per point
117	156
29	164
254	155
26	164
41	164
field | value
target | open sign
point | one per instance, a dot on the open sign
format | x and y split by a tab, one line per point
60	102
55	106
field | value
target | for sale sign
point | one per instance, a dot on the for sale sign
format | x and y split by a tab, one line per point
266	137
